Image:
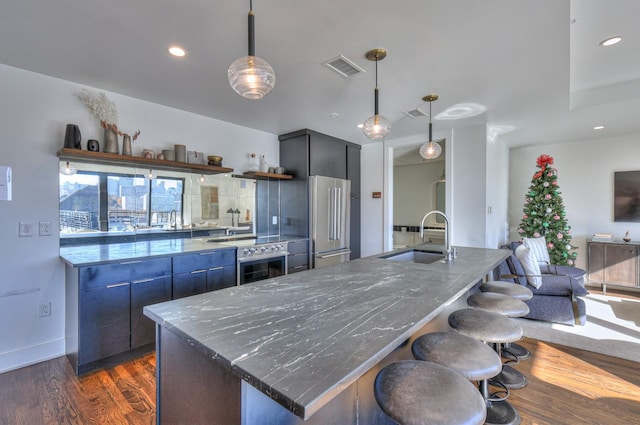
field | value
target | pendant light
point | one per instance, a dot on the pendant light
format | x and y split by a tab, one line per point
68	170
251	76
431	149
376	126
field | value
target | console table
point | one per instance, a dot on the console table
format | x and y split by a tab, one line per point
613	263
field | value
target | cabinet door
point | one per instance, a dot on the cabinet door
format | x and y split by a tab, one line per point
353	174
187	284
327	157
104	321
621	266
595	261
221	277
146	292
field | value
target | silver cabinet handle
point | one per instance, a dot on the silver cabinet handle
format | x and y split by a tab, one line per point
216	268
115	285
135	282
198	271
131	262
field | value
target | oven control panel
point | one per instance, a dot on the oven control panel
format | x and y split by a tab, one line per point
263	250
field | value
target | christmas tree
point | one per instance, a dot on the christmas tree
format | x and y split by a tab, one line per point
544	214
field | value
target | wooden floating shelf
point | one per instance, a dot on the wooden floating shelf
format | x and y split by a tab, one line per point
155	164
260	175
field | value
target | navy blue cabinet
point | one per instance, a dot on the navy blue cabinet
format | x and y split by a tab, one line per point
104	321
104	308
146	292
204	271
104	303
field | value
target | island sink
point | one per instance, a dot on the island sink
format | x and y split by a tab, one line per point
416	256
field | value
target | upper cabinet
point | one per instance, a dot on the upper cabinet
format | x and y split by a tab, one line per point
307	153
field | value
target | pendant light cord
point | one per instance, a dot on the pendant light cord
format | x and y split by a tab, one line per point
252	31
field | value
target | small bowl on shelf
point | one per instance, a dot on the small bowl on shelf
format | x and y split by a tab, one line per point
215	160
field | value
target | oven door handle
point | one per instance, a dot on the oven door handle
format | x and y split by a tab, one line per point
262	257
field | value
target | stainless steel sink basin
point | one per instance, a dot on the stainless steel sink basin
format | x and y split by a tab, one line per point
415	256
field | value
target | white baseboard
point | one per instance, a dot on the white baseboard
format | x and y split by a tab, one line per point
12	360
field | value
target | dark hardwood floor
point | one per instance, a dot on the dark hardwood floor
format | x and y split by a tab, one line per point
566	387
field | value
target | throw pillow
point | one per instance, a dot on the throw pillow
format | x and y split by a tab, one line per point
530	265
538	247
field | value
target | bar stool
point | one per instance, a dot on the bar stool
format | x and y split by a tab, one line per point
414	392
475	361
517	291
510	307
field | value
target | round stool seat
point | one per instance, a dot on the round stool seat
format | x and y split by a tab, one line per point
507	288
467	356
414	392
498	303
485	326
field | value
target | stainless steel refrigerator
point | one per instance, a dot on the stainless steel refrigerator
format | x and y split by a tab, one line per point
329	226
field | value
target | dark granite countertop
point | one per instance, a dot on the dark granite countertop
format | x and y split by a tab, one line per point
85	255
303	338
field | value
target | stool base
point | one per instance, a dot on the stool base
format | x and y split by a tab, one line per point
517	350
501	413
510	378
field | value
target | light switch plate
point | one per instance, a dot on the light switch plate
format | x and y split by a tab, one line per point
45	228
25	228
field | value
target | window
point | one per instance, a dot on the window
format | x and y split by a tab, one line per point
101	201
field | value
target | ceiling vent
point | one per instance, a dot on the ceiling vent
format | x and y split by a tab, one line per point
343	66
415	113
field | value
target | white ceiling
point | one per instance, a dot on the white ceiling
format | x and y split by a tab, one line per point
524	60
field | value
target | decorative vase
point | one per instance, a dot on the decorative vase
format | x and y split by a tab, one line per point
126	145
110	141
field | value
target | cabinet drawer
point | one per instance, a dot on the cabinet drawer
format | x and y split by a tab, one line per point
203	260
125	271
297	260
298	247
299	268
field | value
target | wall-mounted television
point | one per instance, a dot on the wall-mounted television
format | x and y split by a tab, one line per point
626	196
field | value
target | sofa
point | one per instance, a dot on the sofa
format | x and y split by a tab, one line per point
557	299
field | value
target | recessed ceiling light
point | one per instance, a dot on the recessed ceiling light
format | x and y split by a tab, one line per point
177	51
611	41
598	127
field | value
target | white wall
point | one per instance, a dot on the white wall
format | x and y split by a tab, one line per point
34	110
585	179
414	191
372	180
497	177
467	180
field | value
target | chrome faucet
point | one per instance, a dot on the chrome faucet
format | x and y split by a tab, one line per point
173	222
447	230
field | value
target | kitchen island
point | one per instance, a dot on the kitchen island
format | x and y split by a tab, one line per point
303	348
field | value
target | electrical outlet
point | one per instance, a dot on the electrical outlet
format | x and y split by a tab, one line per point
25	229
44	309
274	219
45	228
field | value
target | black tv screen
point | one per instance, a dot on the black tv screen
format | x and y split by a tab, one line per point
626	196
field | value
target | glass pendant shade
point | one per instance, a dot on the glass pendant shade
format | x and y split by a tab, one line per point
67	170
376	127
251	77
430	150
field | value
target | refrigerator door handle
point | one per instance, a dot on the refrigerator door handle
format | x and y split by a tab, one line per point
337	254
332	215
338	213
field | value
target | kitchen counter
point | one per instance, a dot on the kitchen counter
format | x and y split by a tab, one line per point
84	255
306	339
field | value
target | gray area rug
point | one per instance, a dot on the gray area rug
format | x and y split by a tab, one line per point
613	328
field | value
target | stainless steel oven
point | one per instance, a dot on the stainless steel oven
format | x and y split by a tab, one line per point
261	261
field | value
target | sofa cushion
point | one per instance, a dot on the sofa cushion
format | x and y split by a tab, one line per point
530	265
538	247
559	285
